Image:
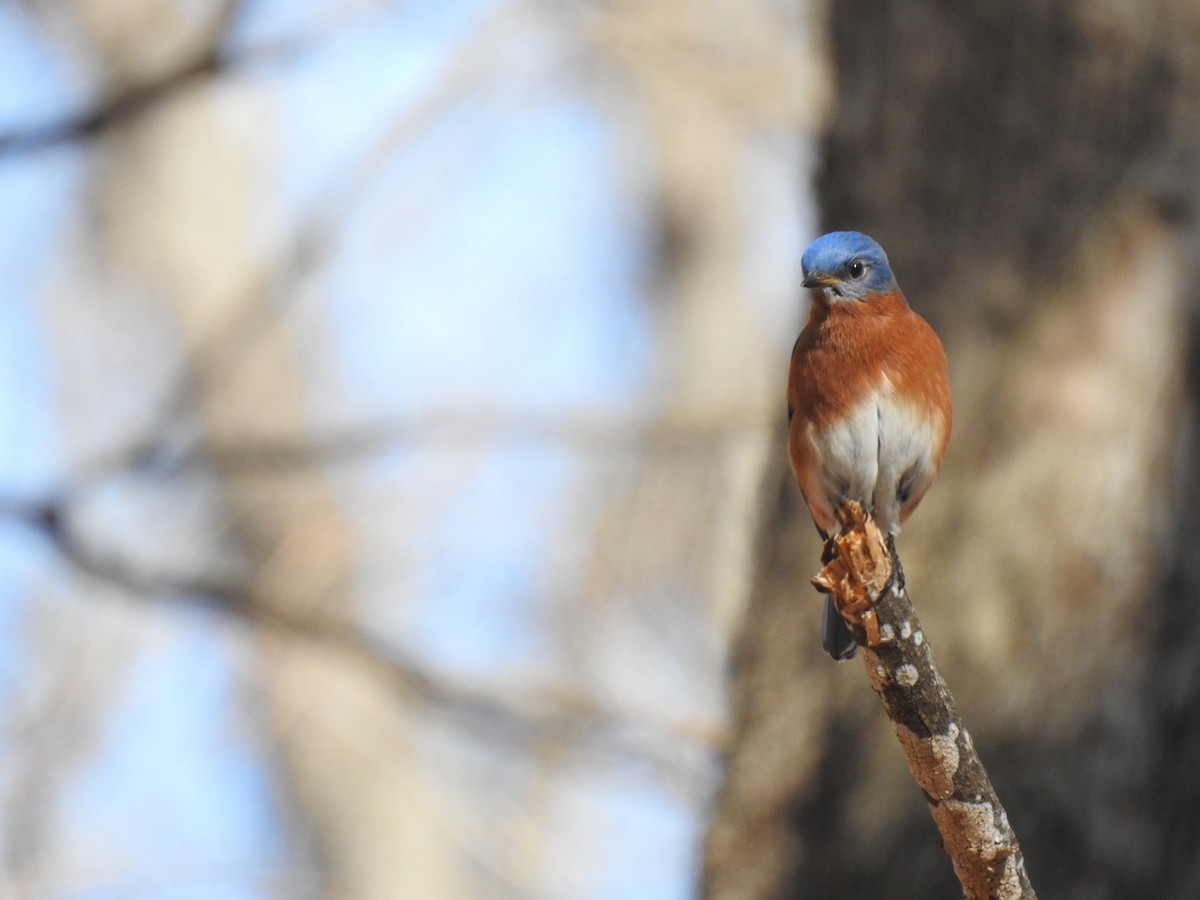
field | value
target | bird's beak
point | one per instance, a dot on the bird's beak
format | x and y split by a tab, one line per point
816	281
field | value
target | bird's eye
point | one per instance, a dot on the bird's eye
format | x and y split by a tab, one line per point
856	269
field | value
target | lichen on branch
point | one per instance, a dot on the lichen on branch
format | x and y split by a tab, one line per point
864	576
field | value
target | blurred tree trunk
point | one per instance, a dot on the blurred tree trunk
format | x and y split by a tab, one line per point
183	216
1031	169
720	95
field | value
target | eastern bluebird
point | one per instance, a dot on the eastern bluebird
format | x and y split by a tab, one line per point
868	397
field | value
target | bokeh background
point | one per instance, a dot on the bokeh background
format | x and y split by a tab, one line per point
393	501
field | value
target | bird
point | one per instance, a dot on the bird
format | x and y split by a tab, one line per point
868	398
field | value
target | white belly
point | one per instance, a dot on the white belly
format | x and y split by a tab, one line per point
880	455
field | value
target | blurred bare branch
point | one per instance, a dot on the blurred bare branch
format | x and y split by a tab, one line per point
219	56
589	435
559	714
277	289
132	101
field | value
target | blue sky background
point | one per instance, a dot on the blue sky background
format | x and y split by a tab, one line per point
494	256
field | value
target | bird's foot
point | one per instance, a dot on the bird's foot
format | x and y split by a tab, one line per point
861	567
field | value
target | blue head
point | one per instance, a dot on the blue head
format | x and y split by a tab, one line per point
847	265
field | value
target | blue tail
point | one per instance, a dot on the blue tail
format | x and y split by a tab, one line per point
836	637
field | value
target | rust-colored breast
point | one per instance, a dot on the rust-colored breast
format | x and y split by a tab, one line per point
842	357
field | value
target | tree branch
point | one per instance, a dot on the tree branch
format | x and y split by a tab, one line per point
213	60
671	748
867	583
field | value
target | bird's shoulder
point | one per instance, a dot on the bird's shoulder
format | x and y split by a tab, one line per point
915	359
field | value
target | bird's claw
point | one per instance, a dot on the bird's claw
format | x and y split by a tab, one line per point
861	566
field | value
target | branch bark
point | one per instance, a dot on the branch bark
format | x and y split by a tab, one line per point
866	580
